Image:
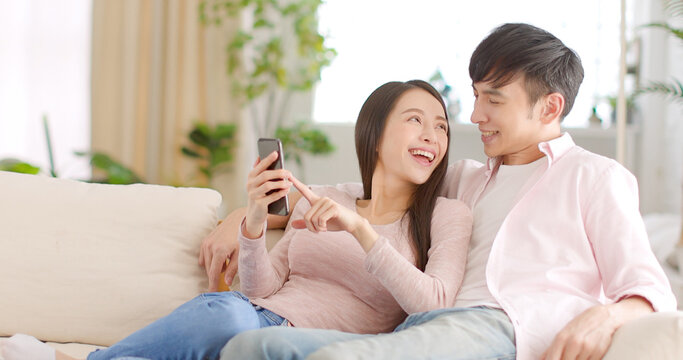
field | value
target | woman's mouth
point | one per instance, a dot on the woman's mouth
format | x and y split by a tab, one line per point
423	156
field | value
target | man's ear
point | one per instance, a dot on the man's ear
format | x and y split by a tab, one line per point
552	108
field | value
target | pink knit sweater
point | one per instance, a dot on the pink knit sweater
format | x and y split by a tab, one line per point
327	281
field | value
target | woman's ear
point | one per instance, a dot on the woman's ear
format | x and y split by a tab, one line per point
553	108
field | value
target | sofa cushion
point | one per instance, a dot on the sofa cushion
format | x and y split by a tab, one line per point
91	263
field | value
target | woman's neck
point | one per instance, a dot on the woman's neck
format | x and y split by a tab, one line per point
388	201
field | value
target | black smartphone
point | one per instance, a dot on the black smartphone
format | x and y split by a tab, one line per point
266	147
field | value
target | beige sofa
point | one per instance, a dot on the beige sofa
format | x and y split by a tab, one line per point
84	265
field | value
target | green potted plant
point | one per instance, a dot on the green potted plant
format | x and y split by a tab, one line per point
212	147
109	171
269	75
300	139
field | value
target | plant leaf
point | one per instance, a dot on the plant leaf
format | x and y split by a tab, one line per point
18	166
189	152
673	31
674	89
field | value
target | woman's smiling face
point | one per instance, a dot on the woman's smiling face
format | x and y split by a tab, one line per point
415	138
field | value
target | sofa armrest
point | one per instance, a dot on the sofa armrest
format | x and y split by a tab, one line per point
654	336
92	263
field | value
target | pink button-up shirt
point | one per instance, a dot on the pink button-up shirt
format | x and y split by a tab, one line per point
573	240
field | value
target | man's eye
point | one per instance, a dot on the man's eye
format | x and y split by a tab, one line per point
492	101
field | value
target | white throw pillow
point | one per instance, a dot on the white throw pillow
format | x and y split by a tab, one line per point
92	263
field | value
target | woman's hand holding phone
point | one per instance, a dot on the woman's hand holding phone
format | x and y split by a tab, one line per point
260	181
326	214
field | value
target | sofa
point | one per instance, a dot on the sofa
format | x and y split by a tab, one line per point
83	265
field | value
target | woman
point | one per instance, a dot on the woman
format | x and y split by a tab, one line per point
353	262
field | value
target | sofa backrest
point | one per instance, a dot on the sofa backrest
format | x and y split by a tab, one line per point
92	263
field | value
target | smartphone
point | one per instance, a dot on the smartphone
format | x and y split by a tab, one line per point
266	147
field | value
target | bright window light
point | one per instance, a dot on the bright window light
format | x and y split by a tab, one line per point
45	70
384	40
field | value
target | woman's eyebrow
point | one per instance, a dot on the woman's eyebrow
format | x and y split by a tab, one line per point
413	110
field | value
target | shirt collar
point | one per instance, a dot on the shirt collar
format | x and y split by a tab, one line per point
553	149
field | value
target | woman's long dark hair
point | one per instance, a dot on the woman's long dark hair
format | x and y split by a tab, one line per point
369	128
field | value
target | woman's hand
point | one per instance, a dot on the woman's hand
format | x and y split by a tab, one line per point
326	214
260	182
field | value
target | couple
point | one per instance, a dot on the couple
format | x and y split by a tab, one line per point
559	258
565	223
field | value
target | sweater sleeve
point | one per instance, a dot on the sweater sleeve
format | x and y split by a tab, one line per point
263	273
437	286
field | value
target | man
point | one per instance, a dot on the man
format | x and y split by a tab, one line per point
559	257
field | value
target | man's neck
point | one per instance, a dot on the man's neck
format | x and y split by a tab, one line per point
530	153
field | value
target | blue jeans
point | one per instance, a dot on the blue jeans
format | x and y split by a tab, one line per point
453	333
197	329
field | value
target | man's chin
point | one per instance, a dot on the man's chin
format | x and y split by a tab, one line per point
491	153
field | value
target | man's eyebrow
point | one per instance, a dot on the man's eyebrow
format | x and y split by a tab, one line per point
494	92
491	91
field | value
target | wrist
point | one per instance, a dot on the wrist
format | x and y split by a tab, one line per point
365	234
628	309
251	231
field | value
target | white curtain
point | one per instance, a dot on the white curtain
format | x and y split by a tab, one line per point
157	70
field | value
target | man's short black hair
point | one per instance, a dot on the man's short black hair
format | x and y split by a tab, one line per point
547	65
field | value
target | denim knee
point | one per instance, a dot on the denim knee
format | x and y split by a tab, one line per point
265	344
222	315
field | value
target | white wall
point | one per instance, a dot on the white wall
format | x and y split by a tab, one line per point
342	165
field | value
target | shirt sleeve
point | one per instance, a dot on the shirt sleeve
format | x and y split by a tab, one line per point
263	273
437	286
619	239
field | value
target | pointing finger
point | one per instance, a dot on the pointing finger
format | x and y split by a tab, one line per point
304	190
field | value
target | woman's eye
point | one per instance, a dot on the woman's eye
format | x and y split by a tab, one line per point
443	127
414	119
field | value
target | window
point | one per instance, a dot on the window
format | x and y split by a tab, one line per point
45	70
384	40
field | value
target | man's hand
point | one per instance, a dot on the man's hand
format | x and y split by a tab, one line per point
220	246
589	335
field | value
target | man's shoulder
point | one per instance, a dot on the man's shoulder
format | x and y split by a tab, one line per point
464	168
463	176
580	160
